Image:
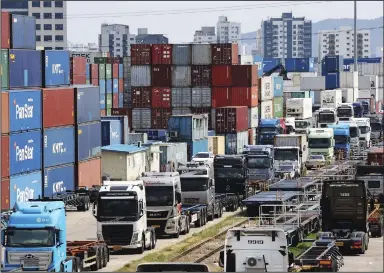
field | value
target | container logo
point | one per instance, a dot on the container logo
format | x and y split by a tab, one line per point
278	86
24	195
267	89
278	107
327	100
58	187
114	134
56	69
25	153
58	148
25	111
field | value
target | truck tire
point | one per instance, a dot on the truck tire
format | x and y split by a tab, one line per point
153	241
212	216
221	211
187	225
141	249
199	221
204	218
87	201
97	265
78	263
104	258
177	234
107	253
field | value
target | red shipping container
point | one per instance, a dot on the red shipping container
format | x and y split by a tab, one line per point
115	100
161	75
102	113
5	194
221	75
4	156
95	71
141	54
161	97
160	117
375	156
123	112
89	173
78	79
5	29
244	75
115	71
78	66
95	82
4	112
201	75
251	137
231	119
141	97
204	110
121	85
225	54
58	107
114	60
161	54
244	96
221	96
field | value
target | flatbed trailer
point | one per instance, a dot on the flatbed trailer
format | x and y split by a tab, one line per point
79	199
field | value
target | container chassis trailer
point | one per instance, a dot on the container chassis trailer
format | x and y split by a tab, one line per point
79	199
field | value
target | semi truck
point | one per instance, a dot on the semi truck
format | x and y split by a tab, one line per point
354	134
345	112
376	128
35	239
327	116
267	130
321	142
301	110
163	195
357	109
121	214
364	126
330	98
342	140
259	160
344	212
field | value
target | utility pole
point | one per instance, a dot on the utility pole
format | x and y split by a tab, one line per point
355	35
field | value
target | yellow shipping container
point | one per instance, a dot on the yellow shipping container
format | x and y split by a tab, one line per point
216	145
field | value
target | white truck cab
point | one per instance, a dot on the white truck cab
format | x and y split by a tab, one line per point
327	116
290	124
345	112
364	125
203	157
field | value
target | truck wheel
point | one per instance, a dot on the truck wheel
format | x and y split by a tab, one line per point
199	221
79	265
153	240
177	234
205	218
96	266
104	257
221	211
87	203
362	250
141	249
187	226
212	216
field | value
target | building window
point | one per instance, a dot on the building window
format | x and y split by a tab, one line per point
118	49
59	16
59	27
118	45
366	34
366	50
36	15
324	51
47	15
38	38
324	35
47	27
47	4
35	4
48	48
38	26
337	34
59	48
366	40
59	37
59	4
47	38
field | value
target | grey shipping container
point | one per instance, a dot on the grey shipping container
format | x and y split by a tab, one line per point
181	97
181	54
134	138
369	69
201	97
201	54
181	111
364	82
346	79
141	118
312	83
171	155
181	76
317	97
141	75
213	119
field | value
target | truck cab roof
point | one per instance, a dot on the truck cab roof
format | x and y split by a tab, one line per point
153	179
136	187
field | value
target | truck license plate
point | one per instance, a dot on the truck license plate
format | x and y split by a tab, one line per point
339	243
194	218
155	226
117	248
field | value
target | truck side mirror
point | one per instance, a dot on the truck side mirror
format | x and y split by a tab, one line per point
221	259
300	153
57	237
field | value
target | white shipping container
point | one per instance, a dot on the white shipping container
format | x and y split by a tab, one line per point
347	95
253	117
368	69
266	109
313	83
364	93
346	79
141	75
297	140
364	82
299	108
380	81
266	88
331	98
380	95
246	59
317	98
295	79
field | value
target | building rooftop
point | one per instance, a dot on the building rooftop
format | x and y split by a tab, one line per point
123	148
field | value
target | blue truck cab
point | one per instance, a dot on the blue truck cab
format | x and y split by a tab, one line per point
342	138
357	109
268	129
259	161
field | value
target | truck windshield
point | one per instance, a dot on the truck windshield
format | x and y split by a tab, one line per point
301	124
344	112
326	118
258	163
117	207
363	129
341	139
17	237
376	127
267	129
319	143
286	154
194	184
237	173
353	131
159	195
357	110
202	155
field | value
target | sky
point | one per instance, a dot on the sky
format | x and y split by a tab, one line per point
178	20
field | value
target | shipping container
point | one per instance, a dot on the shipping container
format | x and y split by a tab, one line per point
181	97
221	75
244	75
102	86
155	134
101	73
4	69
78	66
196	146
225	54
267	89
234	143
78	80
244	96
299	64
115	86
108	86
181	111
278	84
141	118
332	81
141	75
313	83
201	54
269	63
277	107
253	117
231	119
124	124
369	69
364	82
349	62
141	54
25	187
87	104
121	71
161	54
266	109
121	100
89	173
58	106
127	100
346	79
102	102
5	30
88	55
135	138
120	85
332	98
108	71
21	110
332	64
188	127
160	117
347	95
203	110
23	32
221	96
5	192
59	146
181	54
171	155
161	97
115	100
161	75
87	72
88	140
141	97
115	71
111	132
201	97
363	94
5	146
258	61
201	75
252	136
217	145
94	71
58	179
24	152
25	68
181	76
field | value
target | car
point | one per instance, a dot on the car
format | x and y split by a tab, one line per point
203	156
315	161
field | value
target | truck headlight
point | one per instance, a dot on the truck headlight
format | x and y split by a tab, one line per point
135	238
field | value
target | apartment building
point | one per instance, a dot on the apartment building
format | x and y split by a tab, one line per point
116	40
206	35
228	32
143	37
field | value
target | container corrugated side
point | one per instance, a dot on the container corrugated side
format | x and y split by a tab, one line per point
231	119
88	173
266	88
221	75
59	146
88	140
141	118
58	180
161	75
141	75
183	126
115	86
201	54
58	100
87	104
5	30
56	68
234	143
201	97
25	187
244	75
266	109
4	69
162	54
111	132
181	54
181	111
102	102
244	96
23	32
277	107
161	97
199	146
5	147
181	76
160	117
172	154
253	117
225	54
201	75
141	54
221	96
313	83
346	79
181	97
25	68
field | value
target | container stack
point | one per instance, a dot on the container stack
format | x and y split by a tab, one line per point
330	69
127	85
78	70
266	97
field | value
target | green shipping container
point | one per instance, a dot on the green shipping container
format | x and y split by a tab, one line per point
100	60
109	101
102	71
278	107
4	69
108	112
301	94
108	71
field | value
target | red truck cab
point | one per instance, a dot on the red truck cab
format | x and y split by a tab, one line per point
375	156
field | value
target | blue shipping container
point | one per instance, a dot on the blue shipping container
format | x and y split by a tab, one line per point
154	134
87	104
102	86
197	146
25	68
102	101
108	87
88	72
111	132
258	60
121	100
332	64
278	86
270	63
58	179
25	152
25	187
332	81
57	67
347	62
88	140
23	32
24	110
304	65
121	74
290	64
59	146
211	133
124	125
115	88
182	125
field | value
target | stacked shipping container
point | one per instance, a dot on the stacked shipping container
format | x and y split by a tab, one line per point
330	68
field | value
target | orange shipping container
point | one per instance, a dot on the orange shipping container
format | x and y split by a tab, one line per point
244	96
89	173
5	194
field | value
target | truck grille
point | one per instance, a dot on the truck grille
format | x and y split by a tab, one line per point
157	214
117	234
40	260
159	225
